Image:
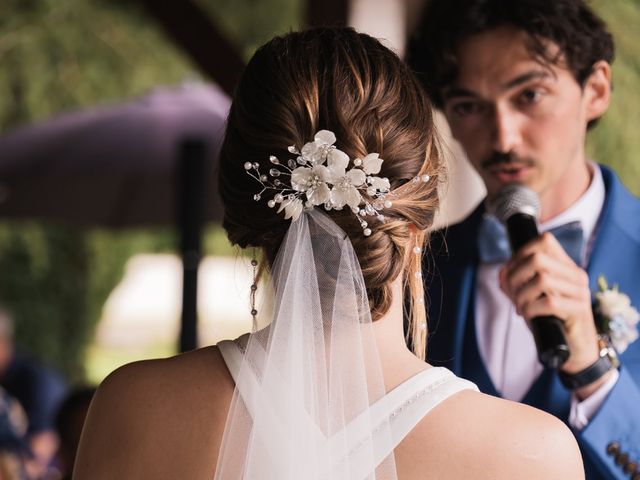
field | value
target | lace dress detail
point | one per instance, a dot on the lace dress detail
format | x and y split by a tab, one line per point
402	409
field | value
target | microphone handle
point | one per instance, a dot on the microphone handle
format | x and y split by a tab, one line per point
548	333
551	343
522	229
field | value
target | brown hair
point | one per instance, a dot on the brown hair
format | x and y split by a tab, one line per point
349	83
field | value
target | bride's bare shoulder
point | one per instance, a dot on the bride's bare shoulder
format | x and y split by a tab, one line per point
144	411
149	385
175	376
487	437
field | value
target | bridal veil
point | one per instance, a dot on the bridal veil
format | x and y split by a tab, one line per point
304	383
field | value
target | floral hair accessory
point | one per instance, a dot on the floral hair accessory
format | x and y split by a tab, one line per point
320	175
615	315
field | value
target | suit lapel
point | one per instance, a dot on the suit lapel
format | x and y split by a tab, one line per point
473	367
616	252
451	275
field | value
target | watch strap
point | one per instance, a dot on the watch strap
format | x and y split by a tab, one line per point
585	377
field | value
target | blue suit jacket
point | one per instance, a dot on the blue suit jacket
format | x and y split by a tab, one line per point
451	272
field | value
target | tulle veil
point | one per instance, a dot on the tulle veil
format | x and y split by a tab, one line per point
304	384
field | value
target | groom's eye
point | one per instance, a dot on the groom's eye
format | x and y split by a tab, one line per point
466	108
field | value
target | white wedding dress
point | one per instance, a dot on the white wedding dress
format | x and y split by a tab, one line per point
403	407
310	401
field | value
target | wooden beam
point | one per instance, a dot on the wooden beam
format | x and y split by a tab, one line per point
193	31
327	12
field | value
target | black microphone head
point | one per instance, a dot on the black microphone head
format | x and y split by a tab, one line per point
514	198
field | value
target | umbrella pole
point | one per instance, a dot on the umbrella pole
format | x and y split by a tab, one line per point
191	178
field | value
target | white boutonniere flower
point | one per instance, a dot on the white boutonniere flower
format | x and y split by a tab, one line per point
615	315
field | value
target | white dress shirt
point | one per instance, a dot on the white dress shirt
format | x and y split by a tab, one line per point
505	342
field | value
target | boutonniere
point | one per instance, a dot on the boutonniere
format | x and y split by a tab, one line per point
615	316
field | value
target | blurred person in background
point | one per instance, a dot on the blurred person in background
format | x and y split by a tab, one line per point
14	450
520	83
39	389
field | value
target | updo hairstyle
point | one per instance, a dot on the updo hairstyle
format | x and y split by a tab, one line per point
339	80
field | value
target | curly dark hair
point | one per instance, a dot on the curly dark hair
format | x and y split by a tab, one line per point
579	33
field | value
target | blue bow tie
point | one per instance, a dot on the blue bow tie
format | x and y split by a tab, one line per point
493	243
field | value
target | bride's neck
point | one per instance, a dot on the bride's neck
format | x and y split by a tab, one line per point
398	362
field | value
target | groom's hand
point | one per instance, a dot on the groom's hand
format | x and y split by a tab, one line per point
541	279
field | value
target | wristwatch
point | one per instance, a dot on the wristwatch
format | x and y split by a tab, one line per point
607	360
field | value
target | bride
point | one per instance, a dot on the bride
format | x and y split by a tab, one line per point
329	168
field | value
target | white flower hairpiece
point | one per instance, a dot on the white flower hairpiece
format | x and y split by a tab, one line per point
319	175
616	316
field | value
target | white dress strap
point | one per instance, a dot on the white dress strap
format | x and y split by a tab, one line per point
232	357
414	399
251	390
403	407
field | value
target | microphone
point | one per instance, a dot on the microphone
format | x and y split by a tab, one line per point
518	207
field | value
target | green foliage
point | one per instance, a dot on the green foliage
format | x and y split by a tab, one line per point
64	54
55	281
43	285
615	141
250	23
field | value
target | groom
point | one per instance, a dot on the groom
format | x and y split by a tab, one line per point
520	83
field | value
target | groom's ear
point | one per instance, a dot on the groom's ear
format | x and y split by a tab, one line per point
597	90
